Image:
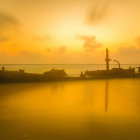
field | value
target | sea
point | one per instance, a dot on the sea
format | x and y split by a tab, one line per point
73	110
71	69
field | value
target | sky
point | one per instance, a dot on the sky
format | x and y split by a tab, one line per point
69	31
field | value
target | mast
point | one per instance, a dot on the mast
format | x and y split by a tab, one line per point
107	60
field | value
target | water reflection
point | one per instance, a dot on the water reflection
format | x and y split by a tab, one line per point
71	110
106	95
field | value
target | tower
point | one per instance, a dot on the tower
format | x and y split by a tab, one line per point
107	60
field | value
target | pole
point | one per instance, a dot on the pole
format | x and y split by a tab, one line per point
107	60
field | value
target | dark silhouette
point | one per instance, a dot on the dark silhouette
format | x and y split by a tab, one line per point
107	60
21	71
55	73
3	68
114	72
61	75
82	75
118	63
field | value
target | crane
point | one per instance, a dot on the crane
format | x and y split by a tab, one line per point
118	63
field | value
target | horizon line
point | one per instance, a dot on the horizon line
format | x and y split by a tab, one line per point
71	64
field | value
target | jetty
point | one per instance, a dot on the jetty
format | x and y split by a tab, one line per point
60	75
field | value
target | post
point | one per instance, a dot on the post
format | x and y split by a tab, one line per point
107	60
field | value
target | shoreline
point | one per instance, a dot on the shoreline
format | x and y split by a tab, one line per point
55	75
42	79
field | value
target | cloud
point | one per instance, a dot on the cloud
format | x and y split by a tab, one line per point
2	54
62	49
48	50
4	39
9	27
58	50
31	55
127	50
132	50
43	38
127	54
90	42
8	21
97	12
138	41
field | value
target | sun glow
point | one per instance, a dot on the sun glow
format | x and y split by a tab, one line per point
67	29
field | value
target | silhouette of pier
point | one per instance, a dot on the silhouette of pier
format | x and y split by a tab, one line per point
61	75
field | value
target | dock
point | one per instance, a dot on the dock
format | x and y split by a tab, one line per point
60	75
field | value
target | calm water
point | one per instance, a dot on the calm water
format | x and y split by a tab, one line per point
82	110
71	69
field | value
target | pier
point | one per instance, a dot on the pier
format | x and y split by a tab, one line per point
61	75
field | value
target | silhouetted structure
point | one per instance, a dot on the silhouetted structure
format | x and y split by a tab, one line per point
3	68
107	60
96	73
118	63
21	71
137	69
60	75
55	73
114	72
82	75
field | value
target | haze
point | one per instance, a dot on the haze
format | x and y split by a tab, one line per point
69	31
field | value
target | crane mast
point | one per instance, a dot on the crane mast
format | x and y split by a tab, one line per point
107	60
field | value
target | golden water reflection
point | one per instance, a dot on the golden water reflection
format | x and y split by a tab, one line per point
100	109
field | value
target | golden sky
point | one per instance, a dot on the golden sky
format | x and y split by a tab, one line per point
69	31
